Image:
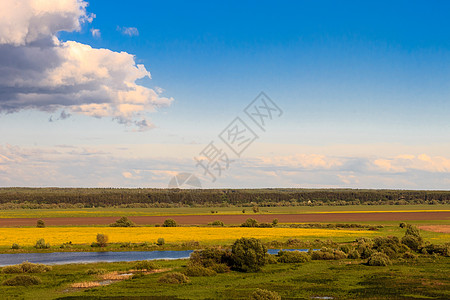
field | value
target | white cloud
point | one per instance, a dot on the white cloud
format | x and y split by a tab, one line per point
95	32
422	162
37	71
130	31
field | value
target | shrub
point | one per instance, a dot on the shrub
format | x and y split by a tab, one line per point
217	223
412	242
123	222
390	246
439	249
328	254
250	223
66	245
22	280
208	257
195	270
125	245
28	267
248	255
40	224
345	248
102	240
12	269
353	254
169	223
265	225
220	268
293	257
96	271
261	294
271	259
275	222
174	278
379	259
255	209
243	211
41	244
145	265
402	225
160	242
412	230
15	246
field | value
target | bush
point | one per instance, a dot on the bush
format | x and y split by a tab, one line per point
66	245
123	222
328	254
41	244
208	257
15	246
261	294
412	230
271	259
220	268
275	222
390	245
195	270
402	225
96	271
248	255
174	278
217	223
145	265
353	254
169	223
40	224
412	242
379	259
160	242
345	248
437	249
293	257
102	240
22	280
250	223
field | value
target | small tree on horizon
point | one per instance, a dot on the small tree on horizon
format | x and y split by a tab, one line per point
102	239
40	223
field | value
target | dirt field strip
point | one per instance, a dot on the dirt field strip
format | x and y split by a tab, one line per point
436	228
236	219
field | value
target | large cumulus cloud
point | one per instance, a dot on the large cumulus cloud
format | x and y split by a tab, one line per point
38	71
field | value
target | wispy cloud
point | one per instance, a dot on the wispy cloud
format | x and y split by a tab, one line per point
130	31
95	32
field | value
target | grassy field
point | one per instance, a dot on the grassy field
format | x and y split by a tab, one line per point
425	278
117	212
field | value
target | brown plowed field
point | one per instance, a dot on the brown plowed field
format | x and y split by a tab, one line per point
236	219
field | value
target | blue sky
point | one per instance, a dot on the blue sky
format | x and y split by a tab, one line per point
364	87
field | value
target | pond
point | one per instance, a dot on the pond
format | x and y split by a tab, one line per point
60	258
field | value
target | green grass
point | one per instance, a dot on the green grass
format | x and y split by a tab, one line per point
425	278
118	212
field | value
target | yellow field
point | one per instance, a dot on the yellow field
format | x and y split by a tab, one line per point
87	235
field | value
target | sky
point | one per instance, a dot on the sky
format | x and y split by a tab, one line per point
240	94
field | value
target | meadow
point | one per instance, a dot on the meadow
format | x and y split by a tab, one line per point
424	278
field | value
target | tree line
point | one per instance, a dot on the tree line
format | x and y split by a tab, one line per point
108	197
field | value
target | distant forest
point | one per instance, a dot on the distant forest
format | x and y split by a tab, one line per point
109	197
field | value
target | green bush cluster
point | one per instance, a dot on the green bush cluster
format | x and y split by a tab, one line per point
123	222
293	257
253	223
328	254
15	246
22	280
145	265
26	267
217	223
174	278
412	238
40	224
41	244
169	223
160	242
248	255
379	259
262	294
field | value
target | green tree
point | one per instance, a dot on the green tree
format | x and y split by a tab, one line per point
170	223
248	255
102	239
